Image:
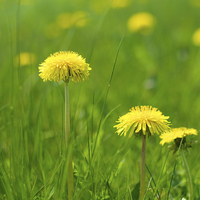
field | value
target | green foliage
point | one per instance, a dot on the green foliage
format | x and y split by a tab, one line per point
160	69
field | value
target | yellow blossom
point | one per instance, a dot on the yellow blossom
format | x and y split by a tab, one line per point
143	119
80	18
64	65
67	20
64	20
25	58
196	37
176	133
142	22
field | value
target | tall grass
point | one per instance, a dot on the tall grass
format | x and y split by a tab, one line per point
33	156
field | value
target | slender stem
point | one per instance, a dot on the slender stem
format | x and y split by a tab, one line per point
188	175
142	178
70	178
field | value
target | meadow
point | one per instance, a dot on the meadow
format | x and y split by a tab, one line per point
157	64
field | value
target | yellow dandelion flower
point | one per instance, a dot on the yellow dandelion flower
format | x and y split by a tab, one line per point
196	37
25	58
176	133
142	22
144	119
64	20
64	65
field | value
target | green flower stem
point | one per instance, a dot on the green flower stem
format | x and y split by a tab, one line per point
70	178
142	177
188	175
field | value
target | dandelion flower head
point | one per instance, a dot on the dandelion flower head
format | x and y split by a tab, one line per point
142	22
64	65
176	133
143	119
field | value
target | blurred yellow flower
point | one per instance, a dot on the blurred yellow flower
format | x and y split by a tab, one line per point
64	20
25	58
64	65
142	120
176	133
142	22
80	18
196	37
119	3
67	20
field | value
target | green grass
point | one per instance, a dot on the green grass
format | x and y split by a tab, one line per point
33	156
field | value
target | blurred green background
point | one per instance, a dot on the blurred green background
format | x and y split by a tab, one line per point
159	69
158	64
